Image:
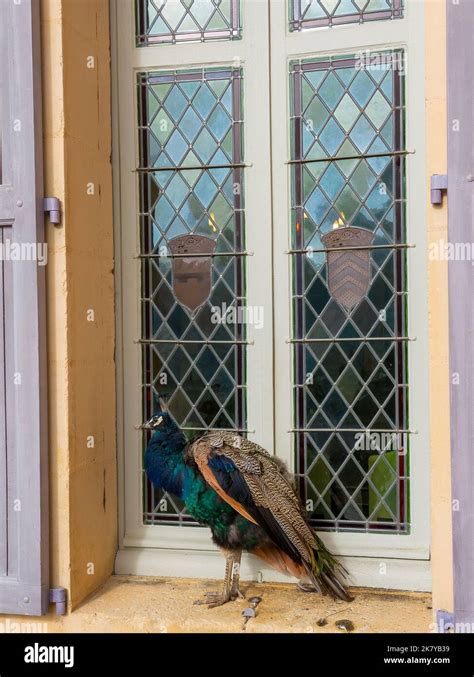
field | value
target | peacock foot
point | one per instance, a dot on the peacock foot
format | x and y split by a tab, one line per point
213	599
236	593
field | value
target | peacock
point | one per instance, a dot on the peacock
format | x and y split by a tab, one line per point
247	499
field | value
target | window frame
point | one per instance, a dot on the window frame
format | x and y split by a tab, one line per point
319	42
188	551
127	60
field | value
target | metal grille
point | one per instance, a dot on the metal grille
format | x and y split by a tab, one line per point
350	381
191	181
314	13
172	21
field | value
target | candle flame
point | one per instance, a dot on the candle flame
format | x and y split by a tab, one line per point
212	222
340	221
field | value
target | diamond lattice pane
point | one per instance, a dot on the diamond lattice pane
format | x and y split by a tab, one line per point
313	13
346	107
187	119
361	192
191	182
350	362
171	21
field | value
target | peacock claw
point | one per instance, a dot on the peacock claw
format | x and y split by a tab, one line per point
213	599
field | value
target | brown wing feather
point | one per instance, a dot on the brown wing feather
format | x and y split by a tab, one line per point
269	487
200	452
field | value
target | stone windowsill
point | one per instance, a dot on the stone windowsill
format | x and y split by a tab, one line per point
144	604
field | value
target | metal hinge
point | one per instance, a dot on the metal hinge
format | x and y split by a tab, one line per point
444	621
58	596
439	182
52	207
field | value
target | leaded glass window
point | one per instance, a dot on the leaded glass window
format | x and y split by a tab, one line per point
171	21
191	183
315	13
349	305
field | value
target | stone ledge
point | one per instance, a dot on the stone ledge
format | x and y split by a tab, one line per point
147	604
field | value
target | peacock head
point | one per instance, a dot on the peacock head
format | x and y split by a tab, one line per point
161	420
166	435
162	424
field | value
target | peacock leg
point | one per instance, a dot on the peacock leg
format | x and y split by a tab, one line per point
235	591
213	599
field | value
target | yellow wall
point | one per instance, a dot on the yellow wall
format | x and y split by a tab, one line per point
76	81
437	219
57	295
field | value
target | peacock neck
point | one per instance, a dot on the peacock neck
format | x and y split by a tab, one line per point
164	462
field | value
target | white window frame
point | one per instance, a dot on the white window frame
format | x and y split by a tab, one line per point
406	33
127	61
188	551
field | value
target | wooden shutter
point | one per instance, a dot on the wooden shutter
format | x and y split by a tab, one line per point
460	45
23	415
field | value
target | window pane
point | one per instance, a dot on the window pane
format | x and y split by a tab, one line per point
314	13
349	305
348	108
191	183
171	21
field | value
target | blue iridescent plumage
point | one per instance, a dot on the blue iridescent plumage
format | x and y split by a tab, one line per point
243	494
